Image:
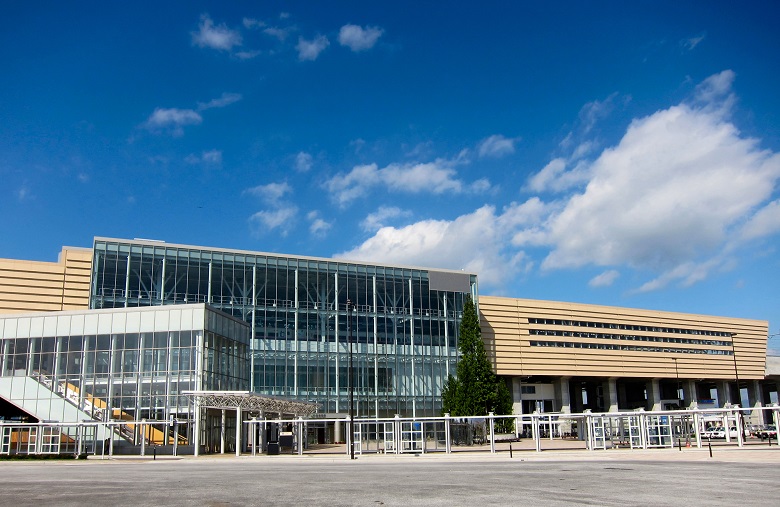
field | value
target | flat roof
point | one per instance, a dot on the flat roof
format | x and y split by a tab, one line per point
161	243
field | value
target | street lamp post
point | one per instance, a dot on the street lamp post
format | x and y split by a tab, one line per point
351	385
736	370
736	378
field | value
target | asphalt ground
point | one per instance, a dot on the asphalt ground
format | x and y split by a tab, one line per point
616	477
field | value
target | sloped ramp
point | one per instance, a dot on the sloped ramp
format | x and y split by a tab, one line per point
44	404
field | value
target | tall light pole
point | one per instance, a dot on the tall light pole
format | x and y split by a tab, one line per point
736	378
736	370
351	385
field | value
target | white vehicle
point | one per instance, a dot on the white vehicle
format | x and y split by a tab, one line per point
720	432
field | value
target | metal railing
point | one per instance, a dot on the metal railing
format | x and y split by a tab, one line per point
398	435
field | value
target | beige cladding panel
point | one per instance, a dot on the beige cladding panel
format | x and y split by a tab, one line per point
30	286
507	334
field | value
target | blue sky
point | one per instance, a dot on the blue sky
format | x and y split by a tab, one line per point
619	153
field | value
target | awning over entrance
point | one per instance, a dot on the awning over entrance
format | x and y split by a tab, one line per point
252	402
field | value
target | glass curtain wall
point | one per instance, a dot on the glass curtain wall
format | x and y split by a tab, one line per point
127	365
404	333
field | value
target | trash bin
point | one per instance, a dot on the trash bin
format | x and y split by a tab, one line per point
273	448
286	440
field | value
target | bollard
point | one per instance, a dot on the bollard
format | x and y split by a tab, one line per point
510	449
155	454
709	446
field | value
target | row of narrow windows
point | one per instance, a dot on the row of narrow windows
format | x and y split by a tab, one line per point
628	327
610	346
631	337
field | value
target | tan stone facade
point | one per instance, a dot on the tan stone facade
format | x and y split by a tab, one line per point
526	337
34	286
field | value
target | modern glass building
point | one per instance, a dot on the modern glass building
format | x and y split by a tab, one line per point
121	364
402	322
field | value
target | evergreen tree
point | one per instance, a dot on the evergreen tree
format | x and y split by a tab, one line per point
475	390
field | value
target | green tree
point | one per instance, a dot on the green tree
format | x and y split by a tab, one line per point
475	390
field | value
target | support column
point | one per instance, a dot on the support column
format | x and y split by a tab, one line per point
690	394
766	392
254	332
127	281
196	431
754	401
337	431
336	346
610	386
162	282
653	394
623	397
563	401
576	396
222	433
376	345
238	431
411	337
208	296
562	397
296	343
723	393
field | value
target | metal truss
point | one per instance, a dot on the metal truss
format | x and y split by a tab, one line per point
248	401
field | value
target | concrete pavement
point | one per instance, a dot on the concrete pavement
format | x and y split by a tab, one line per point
616	477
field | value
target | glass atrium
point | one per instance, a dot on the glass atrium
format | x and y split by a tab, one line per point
403	322
121	364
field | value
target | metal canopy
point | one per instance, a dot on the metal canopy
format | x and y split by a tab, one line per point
249	401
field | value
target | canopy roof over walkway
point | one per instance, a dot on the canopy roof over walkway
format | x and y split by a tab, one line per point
252	402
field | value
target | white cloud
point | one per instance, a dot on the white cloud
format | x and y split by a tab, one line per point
172	119
548	176
687	274
666	194
376	220
253	23
282	214
278	33
669	197
248	55
269	220
765	222
496	146
216	37
480	186
309	50
210	157
224	100
594	111
555	177
605	279
357	38
691	42
271	193
471	242
318	227
436	177
677	196
303	161
716	88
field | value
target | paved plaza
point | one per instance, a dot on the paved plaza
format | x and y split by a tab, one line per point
659	477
